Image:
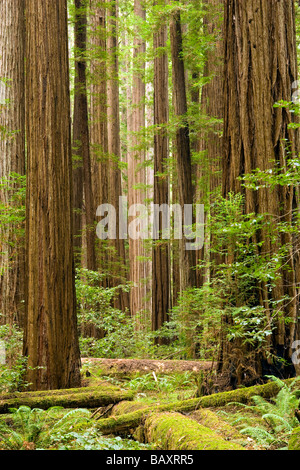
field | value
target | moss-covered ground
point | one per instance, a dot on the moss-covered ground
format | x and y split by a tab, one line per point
164	412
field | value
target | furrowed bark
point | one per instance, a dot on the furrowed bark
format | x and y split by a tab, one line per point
50	336
12	150
161	268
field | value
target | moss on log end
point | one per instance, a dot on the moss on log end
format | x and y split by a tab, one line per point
91	398
172	431
211	420
125	407
294	442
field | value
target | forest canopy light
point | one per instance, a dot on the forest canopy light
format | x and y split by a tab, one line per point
155	222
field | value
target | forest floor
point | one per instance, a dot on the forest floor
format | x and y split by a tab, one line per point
130	404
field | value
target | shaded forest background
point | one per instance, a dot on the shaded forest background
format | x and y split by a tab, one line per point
166	103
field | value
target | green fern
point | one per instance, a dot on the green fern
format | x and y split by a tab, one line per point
278	415
40	427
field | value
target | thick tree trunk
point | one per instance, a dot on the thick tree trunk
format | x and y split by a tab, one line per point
12	149
183	149
260	70
50	337
161	249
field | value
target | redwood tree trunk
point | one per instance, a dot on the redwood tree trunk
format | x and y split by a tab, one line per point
136	171
98	121
161	250
84	201
183	148
114	150
50	339
260	69
210	144
12	150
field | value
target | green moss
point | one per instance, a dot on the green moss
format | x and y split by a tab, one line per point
211	420
134	419
93	398
176	432
125	407
42	393
294	442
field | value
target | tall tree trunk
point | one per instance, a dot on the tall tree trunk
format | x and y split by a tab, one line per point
83	191
260	70
210	144
12	149
114	150
98	118
50	336
161	250
182	143
136	171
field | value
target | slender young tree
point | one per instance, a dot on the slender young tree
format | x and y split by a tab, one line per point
161	250
118	257
136	159
98	119
261	70
12	149
83	191
50	333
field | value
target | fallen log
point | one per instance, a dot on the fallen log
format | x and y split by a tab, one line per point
173	431
145	366
42	393
93	398
127	421
211	420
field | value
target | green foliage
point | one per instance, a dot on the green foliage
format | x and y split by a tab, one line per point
12	211
161	383
96	308
278	416
13	363
57	429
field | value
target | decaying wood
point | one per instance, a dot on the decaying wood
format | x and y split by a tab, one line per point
91	397
177	432
146	366
130	421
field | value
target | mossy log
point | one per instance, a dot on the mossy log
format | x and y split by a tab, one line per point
49	393
131	367
173	431
127	421
72	398
211	420
125	407
294	442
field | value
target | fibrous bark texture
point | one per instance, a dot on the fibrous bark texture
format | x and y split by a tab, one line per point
12	150
161	249
261	70
50	339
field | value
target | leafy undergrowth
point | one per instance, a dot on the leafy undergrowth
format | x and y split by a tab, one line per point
263	425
